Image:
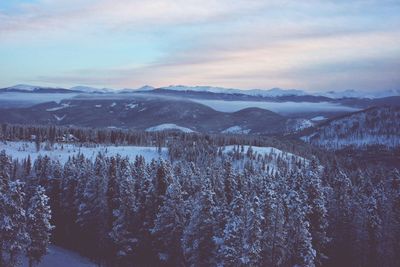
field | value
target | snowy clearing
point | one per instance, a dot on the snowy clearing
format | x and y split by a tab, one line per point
236	130
63	106
167	127
60	257
318	118
131	106
61	152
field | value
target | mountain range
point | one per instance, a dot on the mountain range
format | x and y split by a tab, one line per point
181	108
271	93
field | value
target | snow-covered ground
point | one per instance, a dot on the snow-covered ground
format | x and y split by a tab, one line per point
168	126
236	130
63	106
59	257
61	152
318	118
278	107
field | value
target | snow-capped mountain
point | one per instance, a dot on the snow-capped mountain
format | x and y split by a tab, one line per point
87	89
360	94
269	93
24	87
221	90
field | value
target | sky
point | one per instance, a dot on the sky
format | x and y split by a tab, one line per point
314	45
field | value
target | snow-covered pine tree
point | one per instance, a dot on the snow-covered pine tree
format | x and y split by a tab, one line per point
252	239
13	235
92	212
198	243
299	243
38	226
169	224
230	244
122	229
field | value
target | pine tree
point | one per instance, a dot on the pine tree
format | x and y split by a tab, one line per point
13	235
122	233
38	226
199	247
252	240
168	226
230	244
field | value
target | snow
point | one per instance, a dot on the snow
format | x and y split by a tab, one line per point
61	152
274	92
63	106
131	105
25	87
236	130
113	104
98	106
59	118
60	257
278	107
87	89
318	118
168	126
295	125
360	94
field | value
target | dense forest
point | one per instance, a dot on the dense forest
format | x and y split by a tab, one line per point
202	206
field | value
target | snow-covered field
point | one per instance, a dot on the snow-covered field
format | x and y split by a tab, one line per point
59	257
282	108
236	130
168	126
61	152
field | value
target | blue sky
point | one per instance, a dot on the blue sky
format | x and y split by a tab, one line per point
313	44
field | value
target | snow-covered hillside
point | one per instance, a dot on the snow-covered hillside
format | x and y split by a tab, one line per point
268	158
168	127
377	126
61	152
236	130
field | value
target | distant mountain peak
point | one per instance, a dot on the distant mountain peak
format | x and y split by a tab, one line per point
274	92
145	88
25	87
88	89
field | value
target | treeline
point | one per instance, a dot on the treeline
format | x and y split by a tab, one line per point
176	141
219	212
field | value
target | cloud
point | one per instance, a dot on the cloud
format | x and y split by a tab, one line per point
245	43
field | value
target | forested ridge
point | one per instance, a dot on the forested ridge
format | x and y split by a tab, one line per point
200	207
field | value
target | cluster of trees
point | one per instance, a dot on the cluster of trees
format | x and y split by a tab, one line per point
24	219
204	207
376	126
